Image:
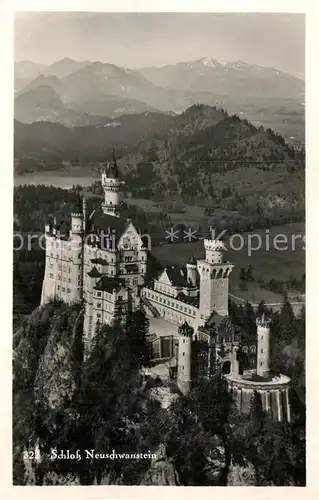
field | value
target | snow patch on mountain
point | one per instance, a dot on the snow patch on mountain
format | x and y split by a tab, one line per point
209	62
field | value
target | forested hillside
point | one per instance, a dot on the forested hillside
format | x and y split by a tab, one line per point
107	402
204	156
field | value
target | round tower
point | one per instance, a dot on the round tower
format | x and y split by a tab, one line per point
263	345
234	359
184	367
112	186
191	268
214	250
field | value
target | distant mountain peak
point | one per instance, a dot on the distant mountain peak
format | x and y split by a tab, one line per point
211	63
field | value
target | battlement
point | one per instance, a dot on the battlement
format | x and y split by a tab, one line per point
214	245
263	321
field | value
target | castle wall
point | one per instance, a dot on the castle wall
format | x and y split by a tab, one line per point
172	309
274	395
104	307
63	270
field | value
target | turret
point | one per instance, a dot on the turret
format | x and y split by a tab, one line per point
214	250
191	268
184	358
263	345
234	359
77	218
112	186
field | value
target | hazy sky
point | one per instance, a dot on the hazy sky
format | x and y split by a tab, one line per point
154	39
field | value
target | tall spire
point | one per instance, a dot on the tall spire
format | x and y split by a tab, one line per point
112	171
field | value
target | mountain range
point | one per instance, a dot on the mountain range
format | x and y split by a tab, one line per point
83	92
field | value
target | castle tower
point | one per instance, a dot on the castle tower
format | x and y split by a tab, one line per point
75	274
84	213
234	359
263	345
214	280
184	368
191	268
112	186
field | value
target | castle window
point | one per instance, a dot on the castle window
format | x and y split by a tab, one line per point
261	350
68	290
261	363
99	304
98	294
98	315
51	275
63	289
183	353
69	280
58	287
262	337
135	281
183	341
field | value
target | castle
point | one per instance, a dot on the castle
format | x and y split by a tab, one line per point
102	262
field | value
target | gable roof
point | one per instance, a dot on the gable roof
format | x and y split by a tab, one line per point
94	273
221	325
192	301
101	222
177	276
101	261
107	284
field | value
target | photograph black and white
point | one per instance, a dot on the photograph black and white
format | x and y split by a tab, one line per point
159	249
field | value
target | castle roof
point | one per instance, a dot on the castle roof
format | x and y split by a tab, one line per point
103	262
214	320
192	301
192	260
177	276
94	273
107	284
111	169
101	222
